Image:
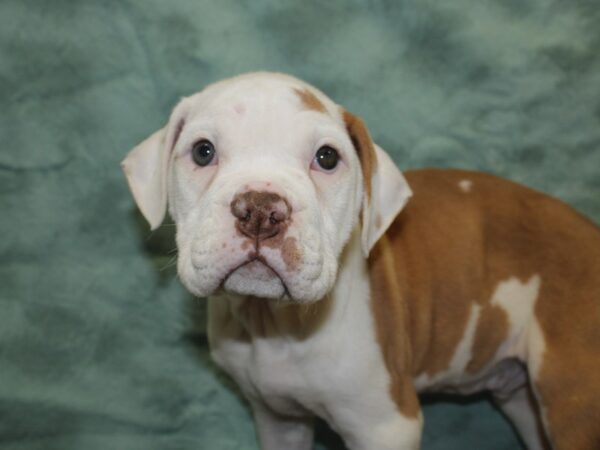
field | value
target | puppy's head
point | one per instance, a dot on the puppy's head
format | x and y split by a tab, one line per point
265	178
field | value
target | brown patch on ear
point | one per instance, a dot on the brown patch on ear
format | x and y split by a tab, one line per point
364	148
310	100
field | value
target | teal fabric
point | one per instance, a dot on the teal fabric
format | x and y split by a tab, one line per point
100	346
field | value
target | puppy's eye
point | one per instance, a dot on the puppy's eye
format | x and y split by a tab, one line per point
327	158
203	152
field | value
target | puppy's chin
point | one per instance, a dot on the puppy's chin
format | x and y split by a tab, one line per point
255	279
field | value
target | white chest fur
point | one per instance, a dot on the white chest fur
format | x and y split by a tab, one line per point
324	361
303	357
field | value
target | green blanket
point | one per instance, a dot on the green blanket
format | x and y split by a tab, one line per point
100	346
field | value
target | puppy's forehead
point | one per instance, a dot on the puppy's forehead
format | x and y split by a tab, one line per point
264	90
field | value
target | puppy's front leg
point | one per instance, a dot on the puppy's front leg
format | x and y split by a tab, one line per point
277	432
371	420
395	433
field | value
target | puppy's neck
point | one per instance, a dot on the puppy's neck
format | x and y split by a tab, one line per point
266	318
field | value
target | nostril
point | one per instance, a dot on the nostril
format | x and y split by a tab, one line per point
277	217
240	209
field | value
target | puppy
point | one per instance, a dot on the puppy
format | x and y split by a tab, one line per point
339	288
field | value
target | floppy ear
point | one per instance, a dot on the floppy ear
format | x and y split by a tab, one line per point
147	165
385	189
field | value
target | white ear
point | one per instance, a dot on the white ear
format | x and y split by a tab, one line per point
389	193
146	171
147	165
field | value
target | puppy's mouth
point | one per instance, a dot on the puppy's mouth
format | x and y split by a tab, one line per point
256	277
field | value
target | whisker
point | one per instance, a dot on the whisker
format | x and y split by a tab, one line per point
170	263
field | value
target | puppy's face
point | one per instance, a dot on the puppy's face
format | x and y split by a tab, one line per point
265	178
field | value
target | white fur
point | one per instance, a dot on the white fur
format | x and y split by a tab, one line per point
264	136
465	185
146	177
518	301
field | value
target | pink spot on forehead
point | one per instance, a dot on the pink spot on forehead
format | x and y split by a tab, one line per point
239	108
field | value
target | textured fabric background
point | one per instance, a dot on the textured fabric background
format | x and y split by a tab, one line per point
100	347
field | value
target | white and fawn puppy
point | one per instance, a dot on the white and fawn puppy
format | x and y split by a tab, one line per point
331	294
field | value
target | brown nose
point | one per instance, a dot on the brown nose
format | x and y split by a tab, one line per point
260	215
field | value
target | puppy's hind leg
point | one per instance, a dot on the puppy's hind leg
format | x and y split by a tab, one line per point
521	410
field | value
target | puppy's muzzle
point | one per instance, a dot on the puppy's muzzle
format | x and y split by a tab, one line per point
260	215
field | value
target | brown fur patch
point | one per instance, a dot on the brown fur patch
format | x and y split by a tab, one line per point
310	100
290	253
257	314
359	135
391	319
448	252
568	312
260	318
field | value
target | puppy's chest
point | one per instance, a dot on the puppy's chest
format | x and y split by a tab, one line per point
315	371
290	377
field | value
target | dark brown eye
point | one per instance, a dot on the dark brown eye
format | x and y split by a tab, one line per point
327	158
203	152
